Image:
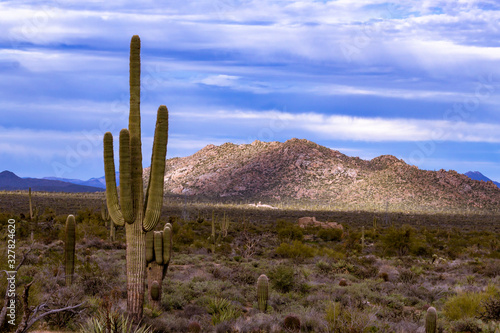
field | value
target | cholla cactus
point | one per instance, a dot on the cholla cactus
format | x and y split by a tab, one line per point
431	320
138	212
158	254
263	292
69	249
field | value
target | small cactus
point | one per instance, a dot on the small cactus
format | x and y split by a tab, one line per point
263	292
155	291
431	320
291	323
69	249
194	327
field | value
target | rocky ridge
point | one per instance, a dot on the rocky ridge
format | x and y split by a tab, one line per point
299	169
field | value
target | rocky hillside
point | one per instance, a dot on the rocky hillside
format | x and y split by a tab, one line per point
303	170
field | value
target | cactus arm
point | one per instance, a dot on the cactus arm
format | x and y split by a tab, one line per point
109	173
158	247
150	252
167	244
156	178
125	178
135	125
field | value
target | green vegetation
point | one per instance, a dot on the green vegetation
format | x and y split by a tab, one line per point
329	284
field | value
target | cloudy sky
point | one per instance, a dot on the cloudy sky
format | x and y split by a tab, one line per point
416	79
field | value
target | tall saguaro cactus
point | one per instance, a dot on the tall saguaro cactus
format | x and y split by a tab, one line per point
158	254
69	249
138	212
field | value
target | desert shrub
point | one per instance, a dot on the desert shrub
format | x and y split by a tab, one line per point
342	319
185	235
330	234
490	308
398	241
465	305
61	298
468	325
323	266
258	323
90	277
344	267
296	250
88	216
407	276
288	231
282	278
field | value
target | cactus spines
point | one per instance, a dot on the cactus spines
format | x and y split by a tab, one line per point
139	212
431	320
155	291
69	249
262	292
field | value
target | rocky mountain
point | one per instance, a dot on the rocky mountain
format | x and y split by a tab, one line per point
476	175
11	182
303	170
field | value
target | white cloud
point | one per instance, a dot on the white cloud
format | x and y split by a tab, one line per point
220	80
341	127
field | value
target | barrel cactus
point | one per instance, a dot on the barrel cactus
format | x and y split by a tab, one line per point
158	254
69	249
138	211
431	320
263	292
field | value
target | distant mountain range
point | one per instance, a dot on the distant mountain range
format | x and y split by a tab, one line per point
11	182
476	175
297	170
93	182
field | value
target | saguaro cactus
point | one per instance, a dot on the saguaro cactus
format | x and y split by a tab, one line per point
138	212
158	254
69	249
262	292
431	320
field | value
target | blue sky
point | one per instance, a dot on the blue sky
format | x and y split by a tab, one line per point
416	79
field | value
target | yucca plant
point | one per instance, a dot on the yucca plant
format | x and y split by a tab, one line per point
113	322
